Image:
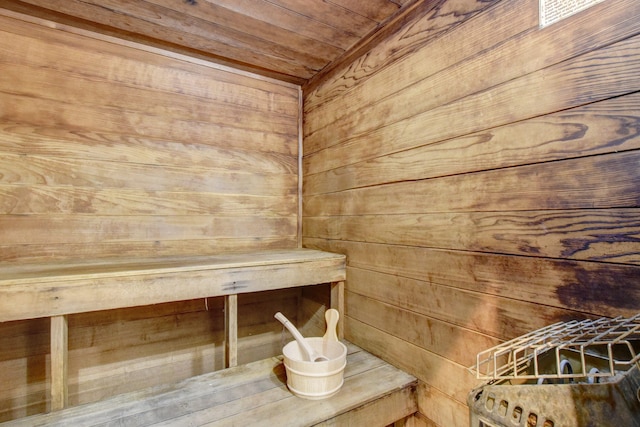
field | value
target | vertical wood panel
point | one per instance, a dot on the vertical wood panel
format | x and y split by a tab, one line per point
59	362
231	331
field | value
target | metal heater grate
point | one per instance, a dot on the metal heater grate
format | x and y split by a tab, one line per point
567	374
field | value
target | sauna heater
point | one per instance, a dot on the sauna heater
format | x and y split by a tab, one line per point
570	374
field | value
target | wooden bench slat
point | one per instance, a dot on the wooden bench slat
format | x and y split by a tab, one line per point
13	273
51	290
247	395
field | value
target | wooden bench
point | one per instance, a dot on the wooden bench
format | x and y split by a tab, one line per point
56	290
255	394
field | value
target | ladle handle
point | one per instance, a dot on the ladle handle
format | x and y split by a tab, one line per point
331	315
296	334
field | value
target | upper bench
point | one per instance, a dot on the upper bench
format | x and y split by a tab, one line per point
43	290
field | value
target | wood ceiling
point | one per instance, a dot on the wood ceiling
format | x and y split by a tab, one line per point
291	40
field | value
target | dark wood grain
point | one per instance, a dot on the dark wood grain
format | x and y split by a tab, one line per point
599	128
482	186
290	40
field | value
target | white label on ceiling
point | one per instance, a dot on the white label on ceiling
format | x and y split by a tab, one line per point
552	11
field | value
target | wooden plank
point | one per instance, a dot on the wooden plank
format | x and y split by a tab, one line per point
40	199
107	285
113	60
162	248
442	410
440	277
152	22
348	20
256	19
59	362
295	259
231	330
253	393
599	128
384	411
104	152
111	120
59	142
609	181
479	315
376	10
458	344
596	235
369	82
305	19
83	89
18	229
58	172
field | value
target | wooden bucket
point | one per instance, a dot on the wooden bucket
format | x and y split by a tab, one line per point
315	380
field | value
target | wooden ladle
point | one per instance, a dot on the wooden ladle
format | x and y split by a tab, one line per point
331	316
310	352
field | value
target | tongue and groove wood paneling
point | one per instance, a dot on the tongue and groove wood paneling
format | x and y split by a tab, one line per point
103	144
483	182
110	150
288	39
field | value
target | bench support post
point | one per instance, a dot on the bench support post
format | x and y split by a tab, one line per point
337	302
59	362
230	330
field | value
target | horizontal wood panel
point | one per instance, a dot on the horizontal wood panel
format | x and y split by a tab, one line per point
60	142
442	276
596	235
311	21
590	182
442	409
453	342
21	109
592	77
63	229
17	253
599	128
501	317
526	52
83	89
223	16
452	379
17	200
90	57
60	172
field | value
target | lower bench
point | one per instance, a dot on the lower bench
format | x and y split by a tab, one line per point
374	394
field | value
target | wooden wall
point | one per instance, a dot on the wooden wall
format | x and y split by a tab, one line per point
483	176
111	150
